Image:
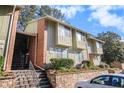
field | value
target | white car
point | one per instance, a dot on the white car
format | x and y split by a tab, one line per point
103	81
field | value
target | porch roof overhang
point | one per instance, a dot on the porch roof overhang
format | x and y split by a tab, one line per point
93	38
26	33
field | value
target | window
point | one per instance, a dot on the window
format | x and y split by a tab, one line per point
103	80
79	36
79	56
116	81
65	53
98	45
58	52
64	31
62	53
122	82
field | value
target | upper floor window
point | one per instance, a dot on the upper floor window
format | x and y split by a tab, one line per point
64	31
79	36
99	45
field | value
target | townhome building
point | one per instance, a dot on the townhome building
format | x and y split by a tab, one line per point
43	39
57	39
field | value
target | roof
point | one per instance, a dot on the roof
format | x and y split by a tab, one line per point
90	37
66	24
26	33
111	74
61	22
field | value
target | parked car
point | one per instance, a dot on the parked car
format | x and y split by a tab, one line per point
122	72
103	81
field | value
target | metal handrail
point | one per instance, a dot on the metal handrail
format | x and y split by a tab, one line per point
40	67
35	76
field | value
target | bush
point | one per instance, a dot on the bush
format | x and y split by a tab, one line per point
1	64
104	65
66	70
89	64
62	62
94	68
85	64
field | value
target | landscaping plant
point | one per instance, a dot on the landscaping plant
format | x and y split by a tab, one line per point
1	65
58	63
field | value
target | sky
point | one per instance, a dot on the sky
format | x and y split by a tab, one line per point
95	19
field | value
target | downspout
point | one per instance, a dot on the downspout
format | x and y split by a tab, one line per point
9	35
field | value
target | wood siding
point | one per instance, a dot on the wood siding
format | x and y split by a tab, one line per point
4	25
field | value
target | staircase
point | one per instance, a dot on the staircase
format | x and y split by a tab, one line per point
43	80
26	79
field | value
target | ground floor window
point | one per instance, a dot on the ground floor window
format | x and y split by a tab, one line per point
61	52
79	56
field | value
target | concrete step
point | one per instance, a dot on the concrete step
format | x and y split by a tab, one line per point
26	79
45	86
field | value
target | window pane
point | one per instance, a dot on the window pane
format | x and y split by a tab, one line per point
79	56
64	31
79	36
103	80
122	82
64	53
98	45
116	82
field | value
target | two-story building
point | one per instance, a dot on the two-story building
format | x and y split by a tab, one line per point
56	38
47	38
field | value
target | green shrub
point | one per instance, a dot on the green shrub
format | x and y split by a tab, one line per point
62	62
89	64
1	64
104	65
94	68
86	64
66	70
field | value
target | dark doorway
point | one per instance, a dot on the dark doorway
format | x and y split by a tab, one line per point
21	55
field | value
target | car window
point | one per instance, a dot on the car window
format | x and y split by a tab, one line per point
116	81
103	80
122	82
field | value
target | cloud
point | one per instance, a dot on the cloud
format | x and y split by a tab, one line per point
106	18
70	11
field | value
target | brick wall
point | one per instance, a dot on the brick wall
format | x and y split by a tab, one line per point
8	82
68	80
41	43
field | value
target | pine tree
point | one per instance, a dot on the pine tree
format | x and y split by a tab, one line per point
26	15
47	10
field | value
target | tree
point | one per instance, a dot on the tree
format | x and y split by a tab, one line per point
47	10
32	12
112	49
26	15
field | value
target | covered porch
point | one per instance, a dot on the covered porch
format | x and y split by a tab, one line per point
24	51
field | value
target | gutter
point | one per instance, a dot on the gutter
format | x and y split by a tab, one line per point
9	35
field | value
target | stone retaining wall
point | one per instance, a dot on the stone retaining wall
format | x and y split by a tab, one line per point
7	82
68	80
